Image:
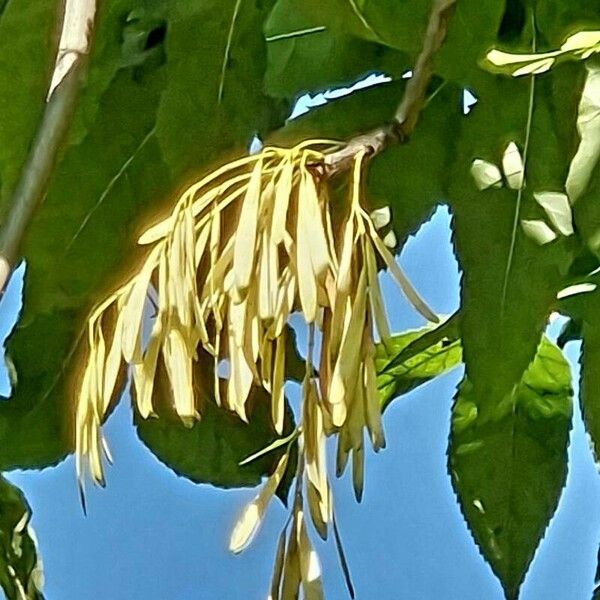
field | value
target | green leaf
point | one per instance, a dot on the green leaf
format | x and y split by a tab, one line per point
557	20
26	34
508	466
212	449
214	100
590	382
402	24
297	43
375	21
509	282
412	358
77	241
127	33
472	31
583	310
21	573
474	28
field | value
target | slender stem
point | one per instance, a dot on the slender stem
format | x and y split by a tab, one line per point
37	170
513	422
63	87
342	558
298	496
515	225
310	350
227	53
413	100
297	33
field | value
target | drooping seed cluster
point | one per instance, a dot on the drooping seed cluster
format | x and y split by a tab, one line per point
230	291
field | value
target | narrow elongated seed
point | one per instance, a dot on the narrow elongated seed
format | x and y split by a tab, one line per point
277	393
315	510
346	366
278	566
245	239
240	379
307	286
179	371
265	285
267	366
249	521
144	371
358	472
113	364
405	285
375	295
291	569
315	232
283	191
310	568
372	402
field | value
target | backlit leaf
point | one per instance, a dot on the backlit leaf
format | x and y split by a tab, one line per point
410	359
296	41
509	464
584	310
509	281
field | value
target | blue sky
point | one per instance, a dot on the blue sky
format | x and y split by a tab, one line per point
154	536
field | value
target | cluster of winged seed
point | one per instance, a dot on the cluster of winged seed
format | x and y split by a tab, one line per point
230	291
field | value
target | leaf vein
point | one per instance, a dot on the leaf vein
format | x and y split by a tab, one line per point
227	54
109	187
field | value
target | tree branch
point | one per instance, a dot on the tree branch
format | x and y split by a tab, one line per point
413	101
74	47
